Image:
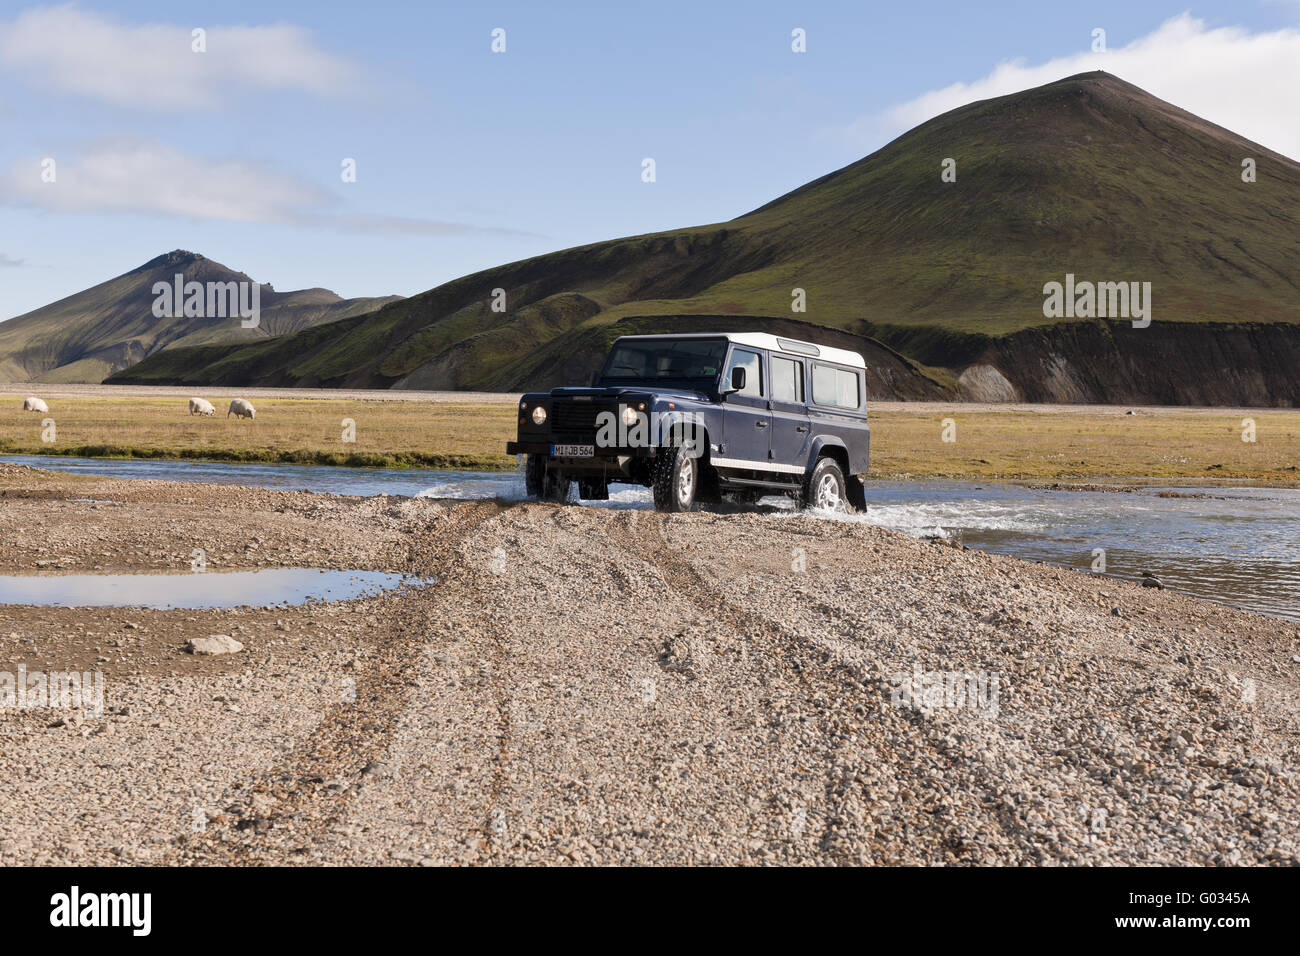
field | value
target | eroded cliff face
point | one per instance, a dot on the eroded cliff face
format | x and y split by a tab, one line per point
1174	363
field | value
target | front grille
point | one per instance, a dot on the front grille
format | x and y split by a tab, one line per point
575	422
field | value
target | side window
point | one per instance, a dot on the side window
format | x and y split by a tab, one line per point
787	380
836	387
752	363
846	389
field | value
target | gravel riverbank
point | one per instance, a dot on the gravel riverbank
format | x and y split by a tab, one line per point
585	685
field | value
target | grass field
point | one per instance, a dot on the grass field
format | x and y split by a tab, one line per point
991	441
452	435
1055	441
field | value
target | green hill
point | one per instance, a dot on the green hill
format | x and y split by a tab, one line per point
1088	175
92	334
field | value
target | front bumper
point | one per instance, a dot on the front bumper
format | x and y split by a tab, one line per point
544	448
609	464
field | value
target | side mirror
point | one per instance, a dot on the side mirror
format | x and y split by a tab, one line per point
595	378
737	380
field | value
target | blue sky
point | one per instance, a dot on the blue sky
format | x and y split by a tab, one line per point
468	158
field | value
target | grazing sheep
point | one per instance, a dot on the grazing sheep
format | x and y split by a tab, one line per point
33	404
241	408
201	406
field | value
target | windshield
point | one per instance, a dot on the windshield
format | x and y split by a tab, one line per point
692	361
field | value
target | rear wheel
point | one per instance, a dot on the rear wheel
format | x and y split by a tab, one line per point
597	489
826	489
676	479
857	493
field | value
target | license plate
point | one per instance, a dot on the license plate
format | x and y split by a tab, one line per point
573	451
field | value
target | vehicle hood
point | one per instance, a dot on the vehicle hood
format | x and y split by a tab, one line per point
615	392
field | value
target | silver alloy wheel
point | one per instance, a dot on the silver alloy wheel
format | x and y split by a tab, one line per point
685	480
828	493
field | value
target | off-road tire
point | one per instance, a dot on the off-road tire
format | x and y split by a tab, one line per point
825	487
595	490
676	479
534	475
857	493
555	487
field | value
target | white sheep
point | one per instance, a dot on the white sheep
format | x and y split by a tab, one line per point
201	406
241	408
33	404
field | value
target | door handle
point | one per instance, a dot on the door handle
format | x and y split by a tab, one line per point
801	428
761	423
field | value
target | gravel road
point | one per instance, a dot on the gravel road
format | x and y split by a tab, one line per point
587	686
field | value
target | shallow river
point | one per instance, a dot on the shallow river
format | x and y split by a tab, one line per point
1235	545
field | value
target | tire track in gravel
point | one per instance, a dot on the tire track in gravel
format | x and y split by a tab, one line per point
497	839
493	818
469	792
643	537
309	791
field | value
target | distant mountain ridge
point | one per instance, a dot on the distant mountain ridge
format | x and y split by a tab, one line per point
1088	176
111	326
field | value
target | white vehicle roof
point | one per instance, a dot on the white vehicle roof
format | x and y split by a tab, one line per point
766	340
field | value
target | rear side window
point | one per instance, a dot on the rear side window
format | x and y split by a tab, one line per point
836	387
787	380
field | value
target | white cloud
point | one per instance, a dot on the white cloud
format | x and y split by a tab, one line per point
130	175
76	51
1248	82
8	263
406	226
125	175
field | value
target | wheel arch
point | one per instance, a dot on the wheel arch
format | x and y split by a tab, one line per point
675	432
829	447
674	426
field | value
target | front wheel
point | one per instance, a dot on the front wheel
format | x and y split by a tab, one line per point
555	486
543	482
534	475
825	489
676	479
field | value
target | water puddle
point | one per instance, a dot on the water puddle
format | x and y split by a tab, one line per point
204	590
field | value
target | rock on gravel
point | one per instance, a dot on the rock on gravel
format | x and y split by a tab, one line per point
214	644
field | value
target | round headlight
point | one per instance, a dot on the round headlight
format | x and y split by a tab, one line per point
629	416
539	415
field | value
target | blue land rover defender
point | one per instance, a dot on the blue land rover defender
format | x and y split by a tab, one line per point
705	418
